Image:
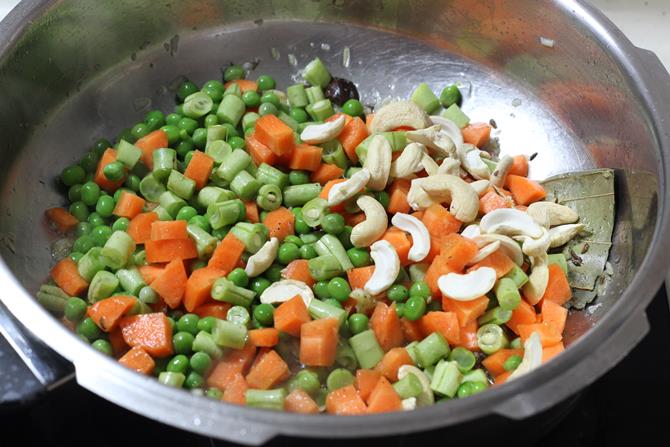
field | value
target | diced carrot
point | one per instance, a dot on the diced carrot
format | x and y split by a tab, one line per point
419	214
523	314
524	190
67	277
357	277
269	370
401	242
468	335
477	134
353	219
385	323
151	332
149	143
547	332
354	132
383	398
331	118
299	271
466	311
554	315
199	169
280	223
366	381
298	401
550	352
345	401
259	152
455	252
150	272
318	342
437	268
251	211
446	323
237	361
227	254
326	190
493	201
171	283
411	329
246	85
138	360
167	250
558	289
495	362
392	361
129	205
199	286
398	196
501	378
139	227
519	166
106	313
168	229
498	261
61	219
275	134
119	346
266	337
326	172
305	157
235	392
440	222
109	156
291	315
216	310
368	121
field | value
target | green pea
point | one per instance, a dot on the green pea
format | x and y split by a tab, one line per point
400	309
237	142
114	171
101	145
173	119
182	342
333	302
148	295
125	134
265	82
75	309
308	251
79	210
72	175
133	182
200	137
95	219
185	89
207	324
105	205
239	277
339	289
383	198
414	308
512	362
273	274
188	124
360	257
186	213
220	233
188	323
300	226
306	380
270	98
100	234
450	95
74	193
421	289
88	329
267	108
333	223
358	323
120	224
154	119
214	93
397	292
298	114
233	72
211	120
293	239
76	256
103	346
298	177
214	393
251	99
178	364
353	107
215	84
200	221
173	324
172	132
264	314
321	290
345	237
89	162
83	243
200	362
258	285
288	252
82	228
139	130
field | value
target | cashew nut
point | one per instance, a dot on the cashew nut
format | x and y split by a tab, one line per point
348	188
374	225
467	287
484	251
286	289
507	244
471	231
399	114
263	259
481	186
409	161
450	128
535	246
563	233
419	232
472	162
549	214
378	162
501	171
433	138
532	357
320	133
426	397
538	279
408	404
387	267
429	164
439	188
510	222
449	166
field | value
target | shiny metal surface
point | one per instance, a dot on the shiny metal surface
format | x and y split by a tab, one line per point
72	71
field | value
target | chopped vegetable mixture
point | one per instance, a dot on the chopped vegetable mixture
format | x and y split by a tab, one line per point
287	250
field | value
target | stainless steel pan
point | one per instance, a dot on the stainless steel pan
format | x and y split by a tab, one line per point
75	70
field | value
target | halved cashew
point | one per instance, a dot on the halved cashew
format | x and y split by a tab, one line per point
320	133
449	166
501	171
471	231
549	214
378	162
561	234
430	165
507	244
532	356
419	232
409	161
374	225
286	289
485	251
387	267
472	162
534	246
445	188
263	259
450	128
426	397
433	138
348	188
510	222
538	279
399	114
408	404
480	186
467	287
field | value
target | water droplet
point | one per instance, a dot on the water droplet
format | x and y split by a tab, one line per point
197	421
292	60
516	102
325	47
